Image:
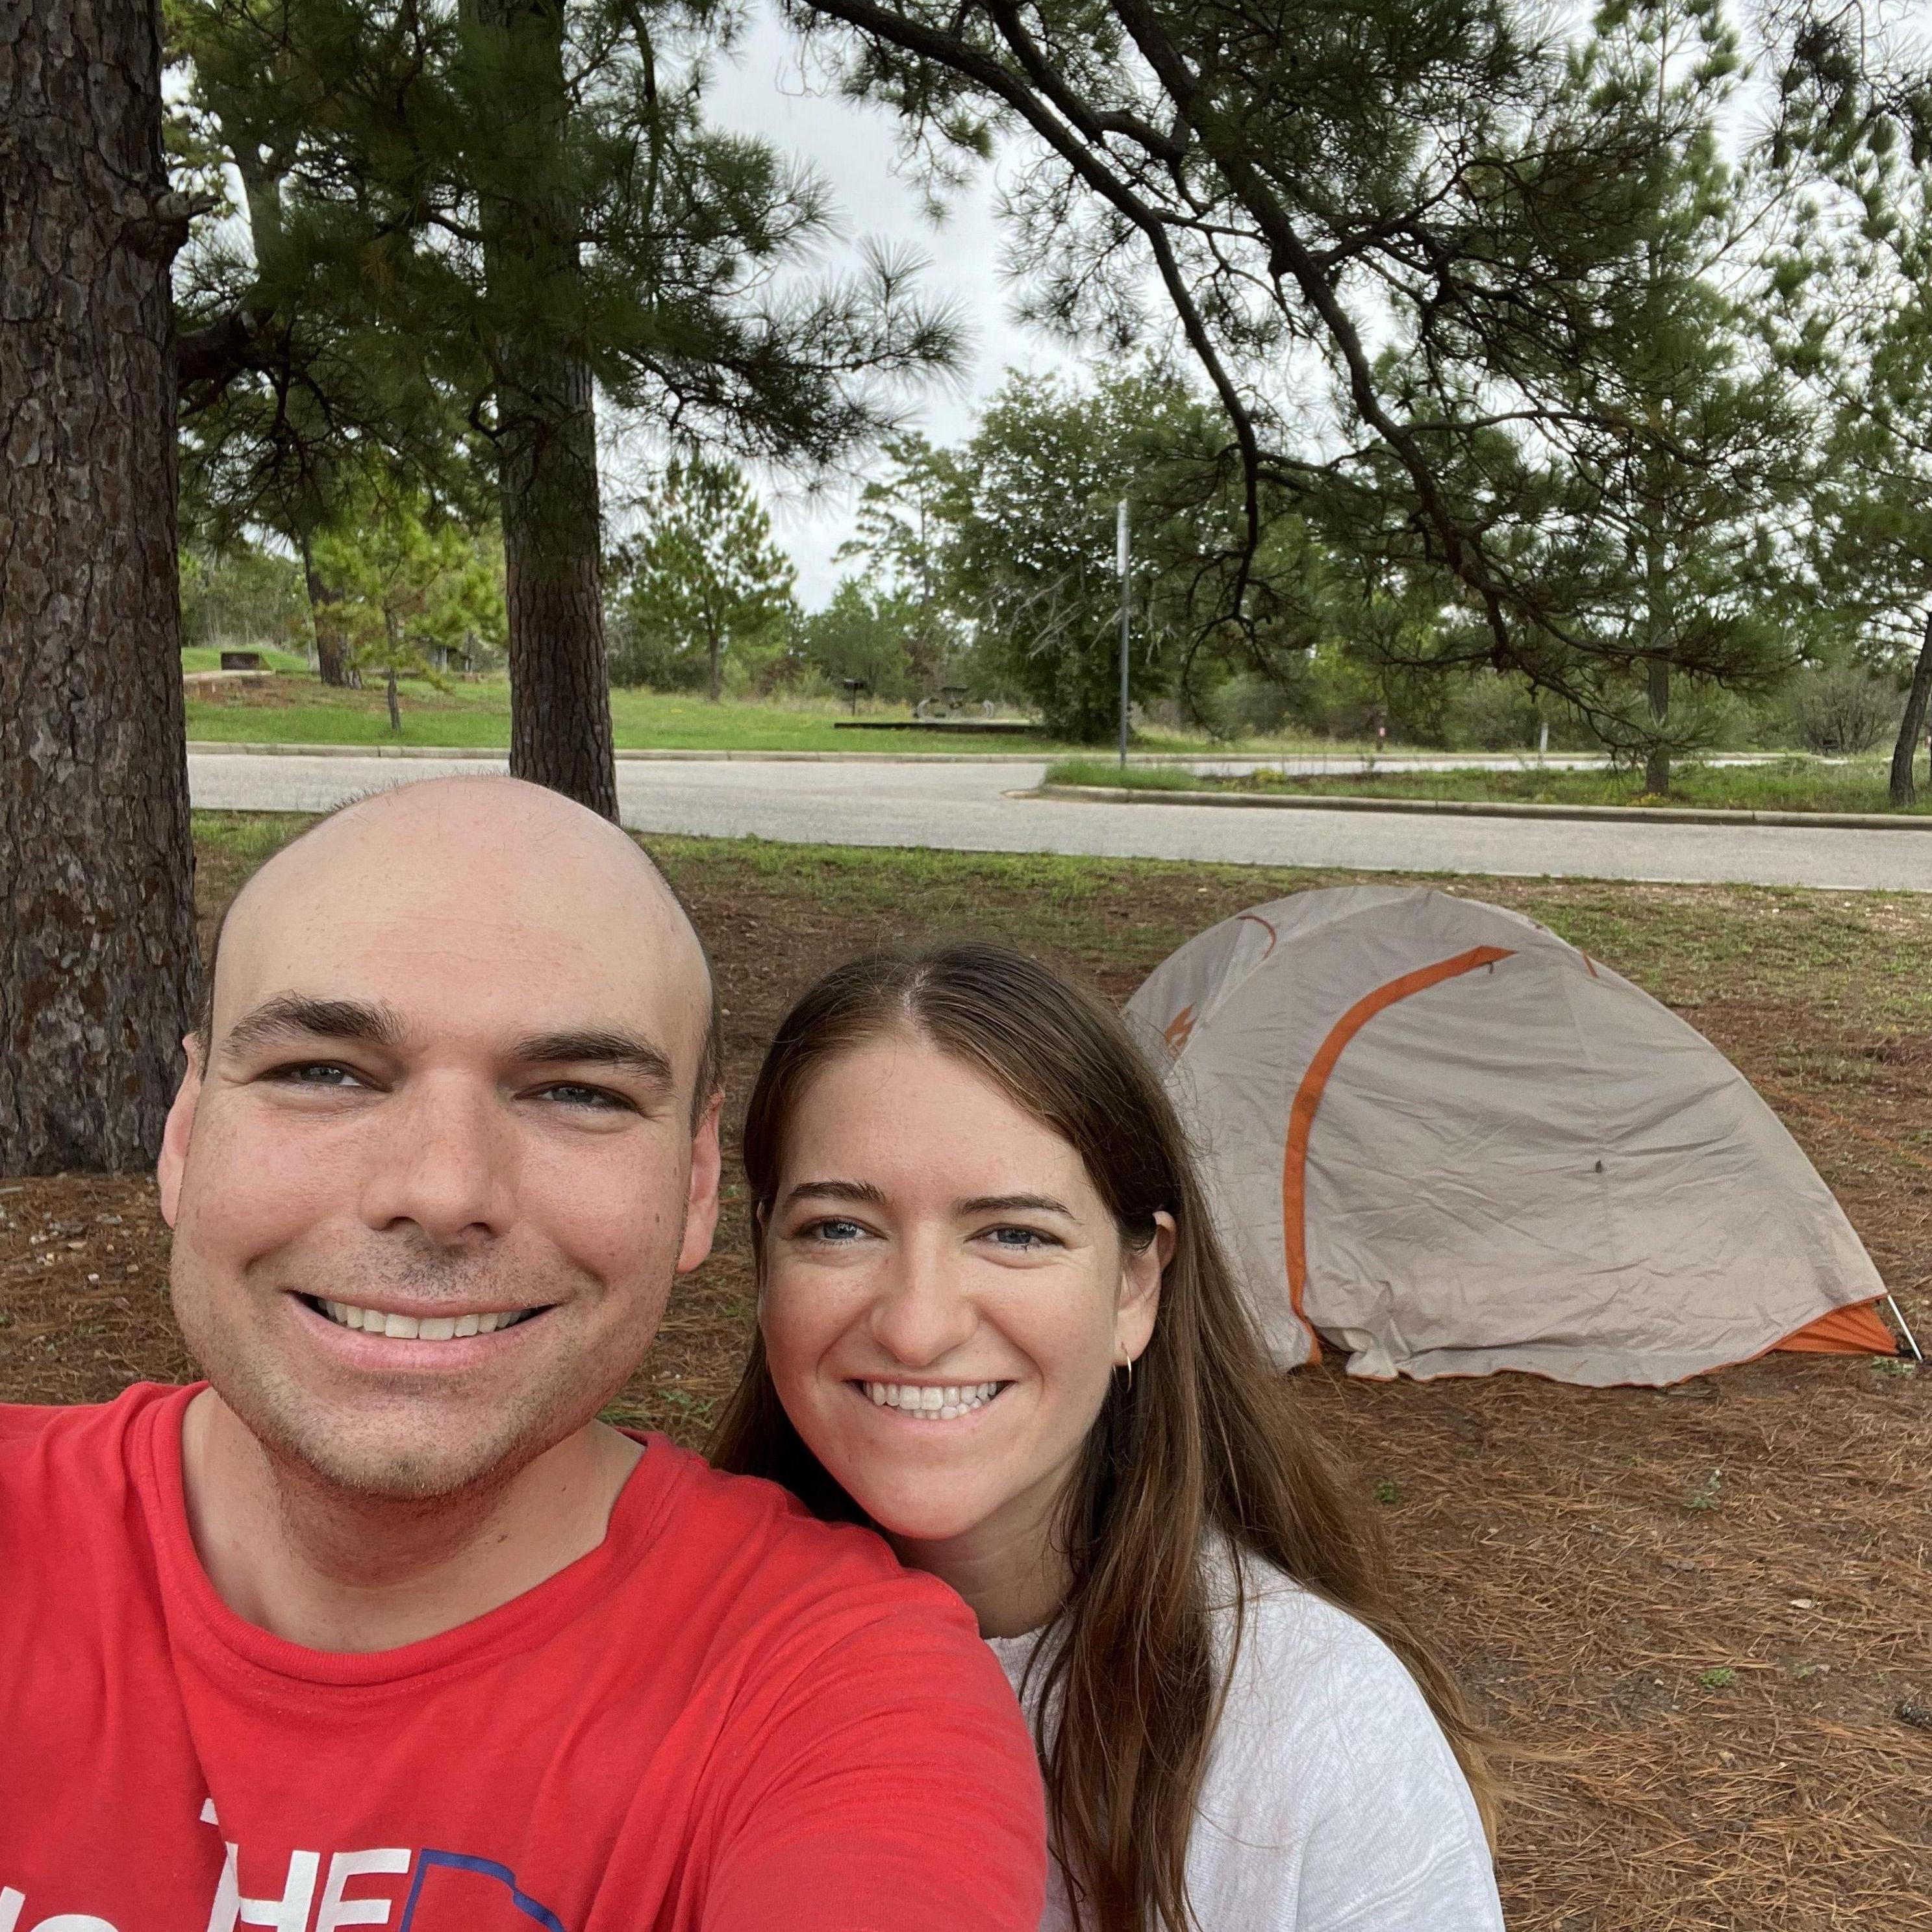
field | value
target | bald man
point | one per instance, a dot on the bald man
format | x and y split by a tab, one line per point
380	1625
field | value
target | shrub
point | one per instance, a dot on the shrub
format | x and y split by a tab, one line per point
1490	712
645	657
1843	710
1246	706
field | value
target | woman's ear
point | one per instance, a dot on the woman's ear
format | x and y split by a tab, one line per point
1141	1271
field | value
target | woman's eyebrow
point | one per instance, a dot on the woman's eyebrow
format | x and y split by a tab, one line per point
837	1190
1016	1203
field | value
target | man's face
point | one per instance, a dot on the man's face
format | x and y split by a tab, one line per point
431	1189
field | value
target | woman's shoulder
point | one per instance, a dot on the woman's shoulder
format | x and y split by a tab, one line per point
1302	1664
1331	1801
1332	1797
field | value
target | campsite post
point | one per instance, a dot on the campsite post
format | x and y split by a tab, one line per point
1120	564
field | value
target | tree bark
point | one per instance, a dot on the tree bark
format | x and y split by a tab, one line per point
99	968
546	424
1912	728
331	647
1656	758
1658	626
560	685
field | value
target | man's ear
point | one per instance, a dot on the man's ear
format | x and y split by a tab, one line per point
180	1128
700	1200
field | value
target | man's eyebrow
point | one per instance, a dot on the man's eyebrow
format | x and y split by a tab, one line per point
597	1046
295	1015
862	1191
1016	1203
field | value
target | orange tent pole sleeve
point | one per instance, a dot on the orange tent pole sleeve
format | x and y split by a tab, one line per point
1308	1098
1255	919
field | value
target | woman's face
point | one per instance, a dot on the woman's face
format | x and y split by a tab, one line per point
946	1297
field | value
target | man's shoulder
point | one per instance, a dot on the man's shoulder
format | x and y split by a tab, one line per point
747	1520
71	1434
791	1586
73	1477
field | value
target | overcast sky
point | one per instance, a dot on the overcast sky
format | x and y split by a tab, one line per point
853	148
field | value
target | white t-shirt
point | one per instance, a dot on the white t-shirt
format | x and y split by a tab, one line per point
1331	1802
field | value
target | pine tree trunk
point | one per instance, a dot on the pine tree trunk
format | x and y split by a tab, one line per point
389	671
98	964
1657	628
547	432
331	647
560	687
1912	727
1656	759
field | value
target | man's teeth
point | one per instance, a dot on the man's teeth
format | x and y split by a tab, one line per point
423	1328
940	1402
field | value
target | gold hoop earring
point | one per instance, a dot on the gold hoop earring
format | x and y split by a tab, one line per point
1129	1367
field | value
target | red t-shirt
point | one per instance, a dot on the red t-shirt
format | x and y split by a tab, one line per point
726	1716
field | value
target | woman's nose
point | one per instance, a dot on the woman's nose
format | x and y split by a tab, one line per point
922	1313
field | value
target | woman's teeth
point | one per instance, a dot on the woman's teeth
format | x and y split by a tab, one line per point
423	1328
937	1403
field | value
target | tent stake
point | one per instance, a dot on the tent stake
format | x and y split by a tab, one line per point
1911	1339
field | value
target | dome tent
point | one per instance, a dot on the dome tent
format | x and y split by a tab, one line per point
1450	1143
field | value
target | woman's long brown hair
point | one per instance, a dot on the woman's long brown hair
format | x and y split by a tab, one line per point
1207	1438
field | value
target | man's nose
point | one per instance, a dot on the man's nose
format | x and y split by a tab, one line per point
923	1312
445	1163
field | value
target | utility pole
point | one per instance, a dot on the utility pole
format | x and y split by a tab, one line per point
1120	556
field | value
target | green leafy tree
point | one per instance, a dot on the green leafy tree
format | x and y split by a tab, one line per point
1684	447
1301	187
493	214
903	522
288	403
1873	513
246	593
1027	559
870	635
1853	320
414	587
704	584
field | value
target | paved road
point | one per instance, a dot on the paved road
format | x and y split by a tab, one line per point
968	807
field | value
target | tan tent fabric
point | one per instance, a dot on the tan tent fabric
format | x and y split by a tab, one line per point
1451	1143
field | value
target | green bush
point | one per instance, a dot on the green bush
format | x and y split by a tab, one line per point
1490	713
1246	706
646	658
1843	710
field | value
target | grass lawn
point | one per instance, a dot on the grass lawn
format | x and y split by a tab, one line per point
298	709
1793	784
1707	1609
207	657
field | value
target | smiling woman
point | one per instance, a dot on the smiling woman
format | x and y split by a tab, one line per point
996	1325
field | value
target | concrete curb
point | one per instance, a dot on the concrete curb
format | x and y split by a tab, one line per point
1668	815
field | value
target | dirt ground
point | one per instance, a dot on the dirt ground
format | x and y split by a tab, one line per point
1706	1613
